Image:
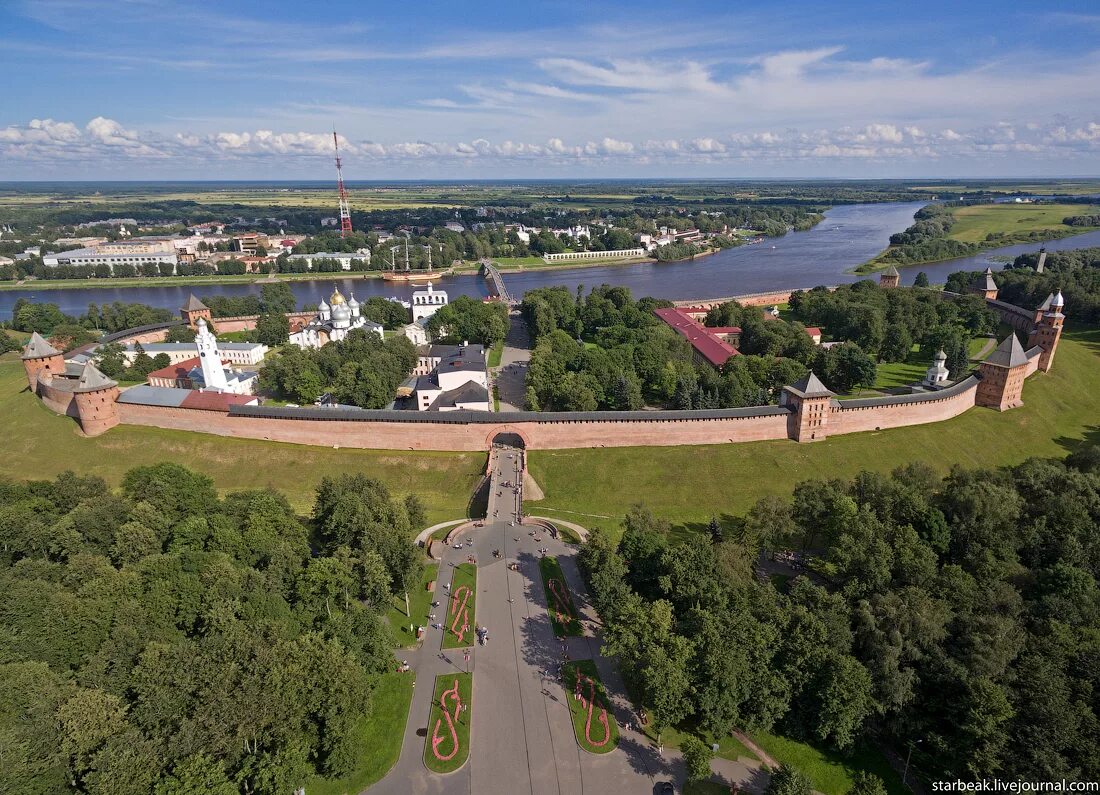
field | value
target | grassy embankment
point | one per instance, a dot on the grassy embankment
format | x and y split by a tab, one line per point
994	225
40	444
568	625
603	741
463	574
690	484
461	725
380	735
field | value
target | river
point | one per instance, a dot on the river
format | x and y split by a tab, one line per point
849	235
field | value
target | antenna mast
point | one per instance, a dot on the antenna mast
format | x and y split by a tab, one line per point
345	213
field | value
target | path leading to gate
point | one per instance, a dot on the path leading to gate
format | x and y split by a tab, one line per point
512	374
521	738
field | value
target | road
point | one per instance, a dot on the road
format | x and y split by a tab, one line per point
522	737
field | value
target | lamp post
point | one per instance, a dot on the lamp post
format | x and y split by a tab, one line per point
905	770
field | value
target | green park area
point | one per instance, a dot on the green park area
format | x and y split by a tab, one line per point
559	601
975	223
40	444
459	618
690	484
830	772
447	742
420	600
593	723
380	734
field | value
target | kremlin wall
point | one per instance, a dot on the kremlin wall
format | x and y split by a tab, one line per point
807	411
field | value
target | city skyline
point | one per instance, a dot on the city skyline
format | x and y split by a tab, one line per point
159	90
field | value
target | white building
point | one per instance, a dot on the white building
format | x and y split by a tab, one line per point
238	353
135	253
345	259
416	333
457	380
334	320
937	375
425	303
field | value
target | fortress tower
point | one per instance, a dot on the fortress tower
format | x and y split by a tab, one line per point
985	286
1048	330
810	400
889	278
95	395
1003	375
39	356
193	310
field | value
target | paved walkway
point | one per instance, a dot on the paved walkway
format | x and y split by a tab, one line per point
521	736
512	374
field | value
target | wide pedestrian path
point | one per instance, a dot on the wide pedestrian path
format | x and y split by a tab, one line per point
521	735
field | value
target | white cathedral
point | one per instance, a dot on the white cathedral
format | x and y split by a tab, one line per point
335	318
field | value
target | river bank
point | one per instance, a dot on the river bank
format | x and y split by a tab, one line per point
877	264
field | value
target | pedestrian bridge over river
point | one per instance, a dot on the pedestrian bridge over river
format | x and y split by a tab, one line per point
497	288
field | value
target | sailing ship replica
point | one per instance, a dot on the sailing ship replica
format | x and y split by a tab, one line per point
408	275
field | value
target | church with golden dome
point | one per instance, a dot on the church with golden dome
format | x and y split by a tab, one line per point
335	319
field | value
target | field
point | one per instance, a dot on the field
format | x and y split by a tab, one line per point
593	723
596	487
559	601
380	736
420	601
831	772
457	606
976	222
447	743
40	444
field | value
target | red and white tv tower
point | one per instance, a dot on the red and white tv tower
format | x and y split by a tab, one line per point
345	213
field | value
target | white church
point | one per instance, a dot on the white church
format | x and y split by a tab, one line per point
335	319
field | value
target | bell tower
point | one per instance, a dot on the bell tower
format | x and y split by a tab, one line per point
1048	331
213	374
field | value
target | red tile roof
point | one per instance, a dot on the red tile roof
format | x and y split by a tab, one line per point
214	401
176	371
813	331
724	329
702	339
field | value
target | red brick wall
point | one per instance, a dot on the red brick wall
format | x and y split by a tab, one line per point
59	401
854	420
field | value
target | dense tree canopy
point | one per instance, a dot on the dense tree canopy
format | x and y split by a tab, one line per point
163	639
361	370
959	611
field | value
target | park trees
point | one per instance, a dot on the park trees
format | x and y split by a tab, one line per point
212	651
949	612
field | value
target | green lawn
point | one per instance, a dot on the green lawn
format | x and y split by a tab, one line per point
590	486
831	772
729	747
602	740
380	735
463	575
439	741
39	444
566	624
974	223
495	354
420	600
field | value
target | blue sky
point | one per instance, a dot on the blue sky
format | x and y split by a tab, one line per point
158	89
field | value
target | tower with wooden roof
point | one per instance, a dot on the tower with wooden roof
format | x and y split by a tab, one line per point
95	395
41	357
1002	376
809	400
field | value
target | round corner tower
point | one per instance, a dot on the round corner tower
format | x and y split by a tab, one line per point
96	395
41	357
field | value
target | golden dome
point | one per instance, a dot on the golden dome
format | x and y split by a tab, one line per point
336	298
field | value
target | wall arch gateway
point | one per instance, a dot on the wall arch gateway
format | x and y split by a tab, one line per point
508	436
